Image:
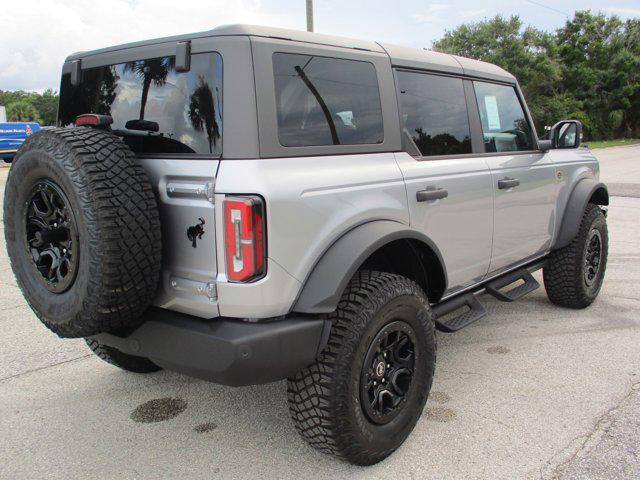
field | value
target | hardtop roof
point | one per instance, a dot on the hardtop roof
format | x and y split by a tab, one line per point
400	56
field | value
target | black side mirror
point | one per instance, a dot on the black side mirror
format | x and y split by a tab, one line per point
566	134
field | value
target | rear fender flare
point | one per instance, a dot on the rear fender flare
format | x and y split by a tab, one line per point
331	274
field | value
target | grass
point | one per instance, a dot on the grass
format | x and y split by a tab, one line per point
613	143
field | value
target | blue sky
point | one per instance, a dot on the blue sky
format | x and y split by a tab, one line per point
31	56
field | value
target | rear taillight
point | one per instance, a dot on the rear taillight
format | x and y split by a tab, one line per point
244	238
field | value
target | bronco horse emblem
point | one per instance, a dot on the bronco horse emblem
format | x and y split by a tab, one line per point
195	232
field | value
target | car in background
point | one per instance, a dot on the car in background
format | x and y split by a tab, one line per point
12	135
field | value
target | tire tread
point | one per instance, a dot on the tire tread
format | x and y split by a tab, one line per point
316	403
562	273
123	245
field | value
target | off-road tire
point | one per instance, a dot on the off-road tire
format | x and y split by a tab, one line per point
324	399
115	357
118	230
564	271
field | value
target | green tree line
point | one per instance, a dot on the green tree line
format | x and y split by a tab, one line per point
587	70
30	106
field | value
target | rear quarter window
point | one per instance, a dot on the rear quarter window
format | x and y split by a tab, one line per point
154	108
326	101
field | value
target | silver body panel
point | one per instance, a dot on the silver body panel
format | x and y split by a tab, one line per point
571	166
184	191
461	225
311	202
524	217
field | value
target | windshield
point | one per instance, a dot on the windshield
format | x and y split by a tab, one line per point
156	109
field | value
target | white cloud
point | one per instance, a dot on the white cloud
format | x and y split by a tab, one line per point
624	11
36	40
433	13
473	13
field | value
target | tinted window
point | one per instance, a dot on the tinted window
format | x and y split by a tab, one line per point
155	108
434	113
326	101
504	124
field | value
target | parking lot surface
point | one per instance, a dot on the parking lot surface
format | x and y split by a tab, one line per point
530	391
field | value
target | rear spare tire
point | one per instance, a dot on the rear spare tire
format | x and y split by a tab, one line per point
82	231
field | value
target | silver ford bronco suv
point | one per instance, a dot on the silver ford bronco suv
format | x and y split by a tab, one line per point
250	204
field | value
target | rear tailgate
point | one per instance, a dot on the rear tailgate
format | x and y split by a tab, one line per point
184	190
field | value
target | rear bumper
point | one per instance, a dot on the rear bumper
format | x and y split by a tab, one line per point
226	351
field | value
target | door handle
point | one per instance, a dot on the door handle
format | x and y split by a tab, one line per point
431	193
507	182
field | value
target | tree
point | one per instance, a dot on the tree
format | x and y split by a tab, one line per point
588	70
47	106
202	112
527	53
597	69
151	71
22	111
632	45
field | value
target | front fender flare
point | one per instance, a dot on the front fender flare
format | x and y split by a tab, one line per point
574	210
331	274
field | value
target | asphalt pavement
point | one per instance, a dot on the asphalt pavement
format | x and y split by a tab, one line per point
531	391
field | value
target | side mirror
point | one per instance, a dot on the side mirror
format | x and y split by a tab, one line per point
566	134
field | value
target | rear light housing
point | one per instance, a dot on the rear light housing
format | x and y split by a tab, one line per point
244	238
93	120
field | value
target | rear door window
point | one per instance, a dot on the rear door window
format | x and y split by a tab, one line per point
434	113
154	108
505	126
326	101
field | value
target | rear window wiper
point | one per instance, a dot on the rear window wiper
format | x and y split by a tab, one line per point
323	105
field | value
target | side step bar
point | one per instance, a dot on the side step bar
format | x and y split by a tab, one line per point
529	285
474	310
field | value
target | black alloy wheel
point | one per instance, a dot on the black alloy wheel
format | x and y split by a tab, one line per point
592	256
51	236
387	372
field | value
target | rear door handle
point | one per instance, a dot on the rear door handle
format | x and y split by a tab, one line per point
431	193
507	182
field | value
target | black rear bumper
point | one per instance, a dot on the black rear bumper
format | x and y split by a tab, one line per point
227	351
